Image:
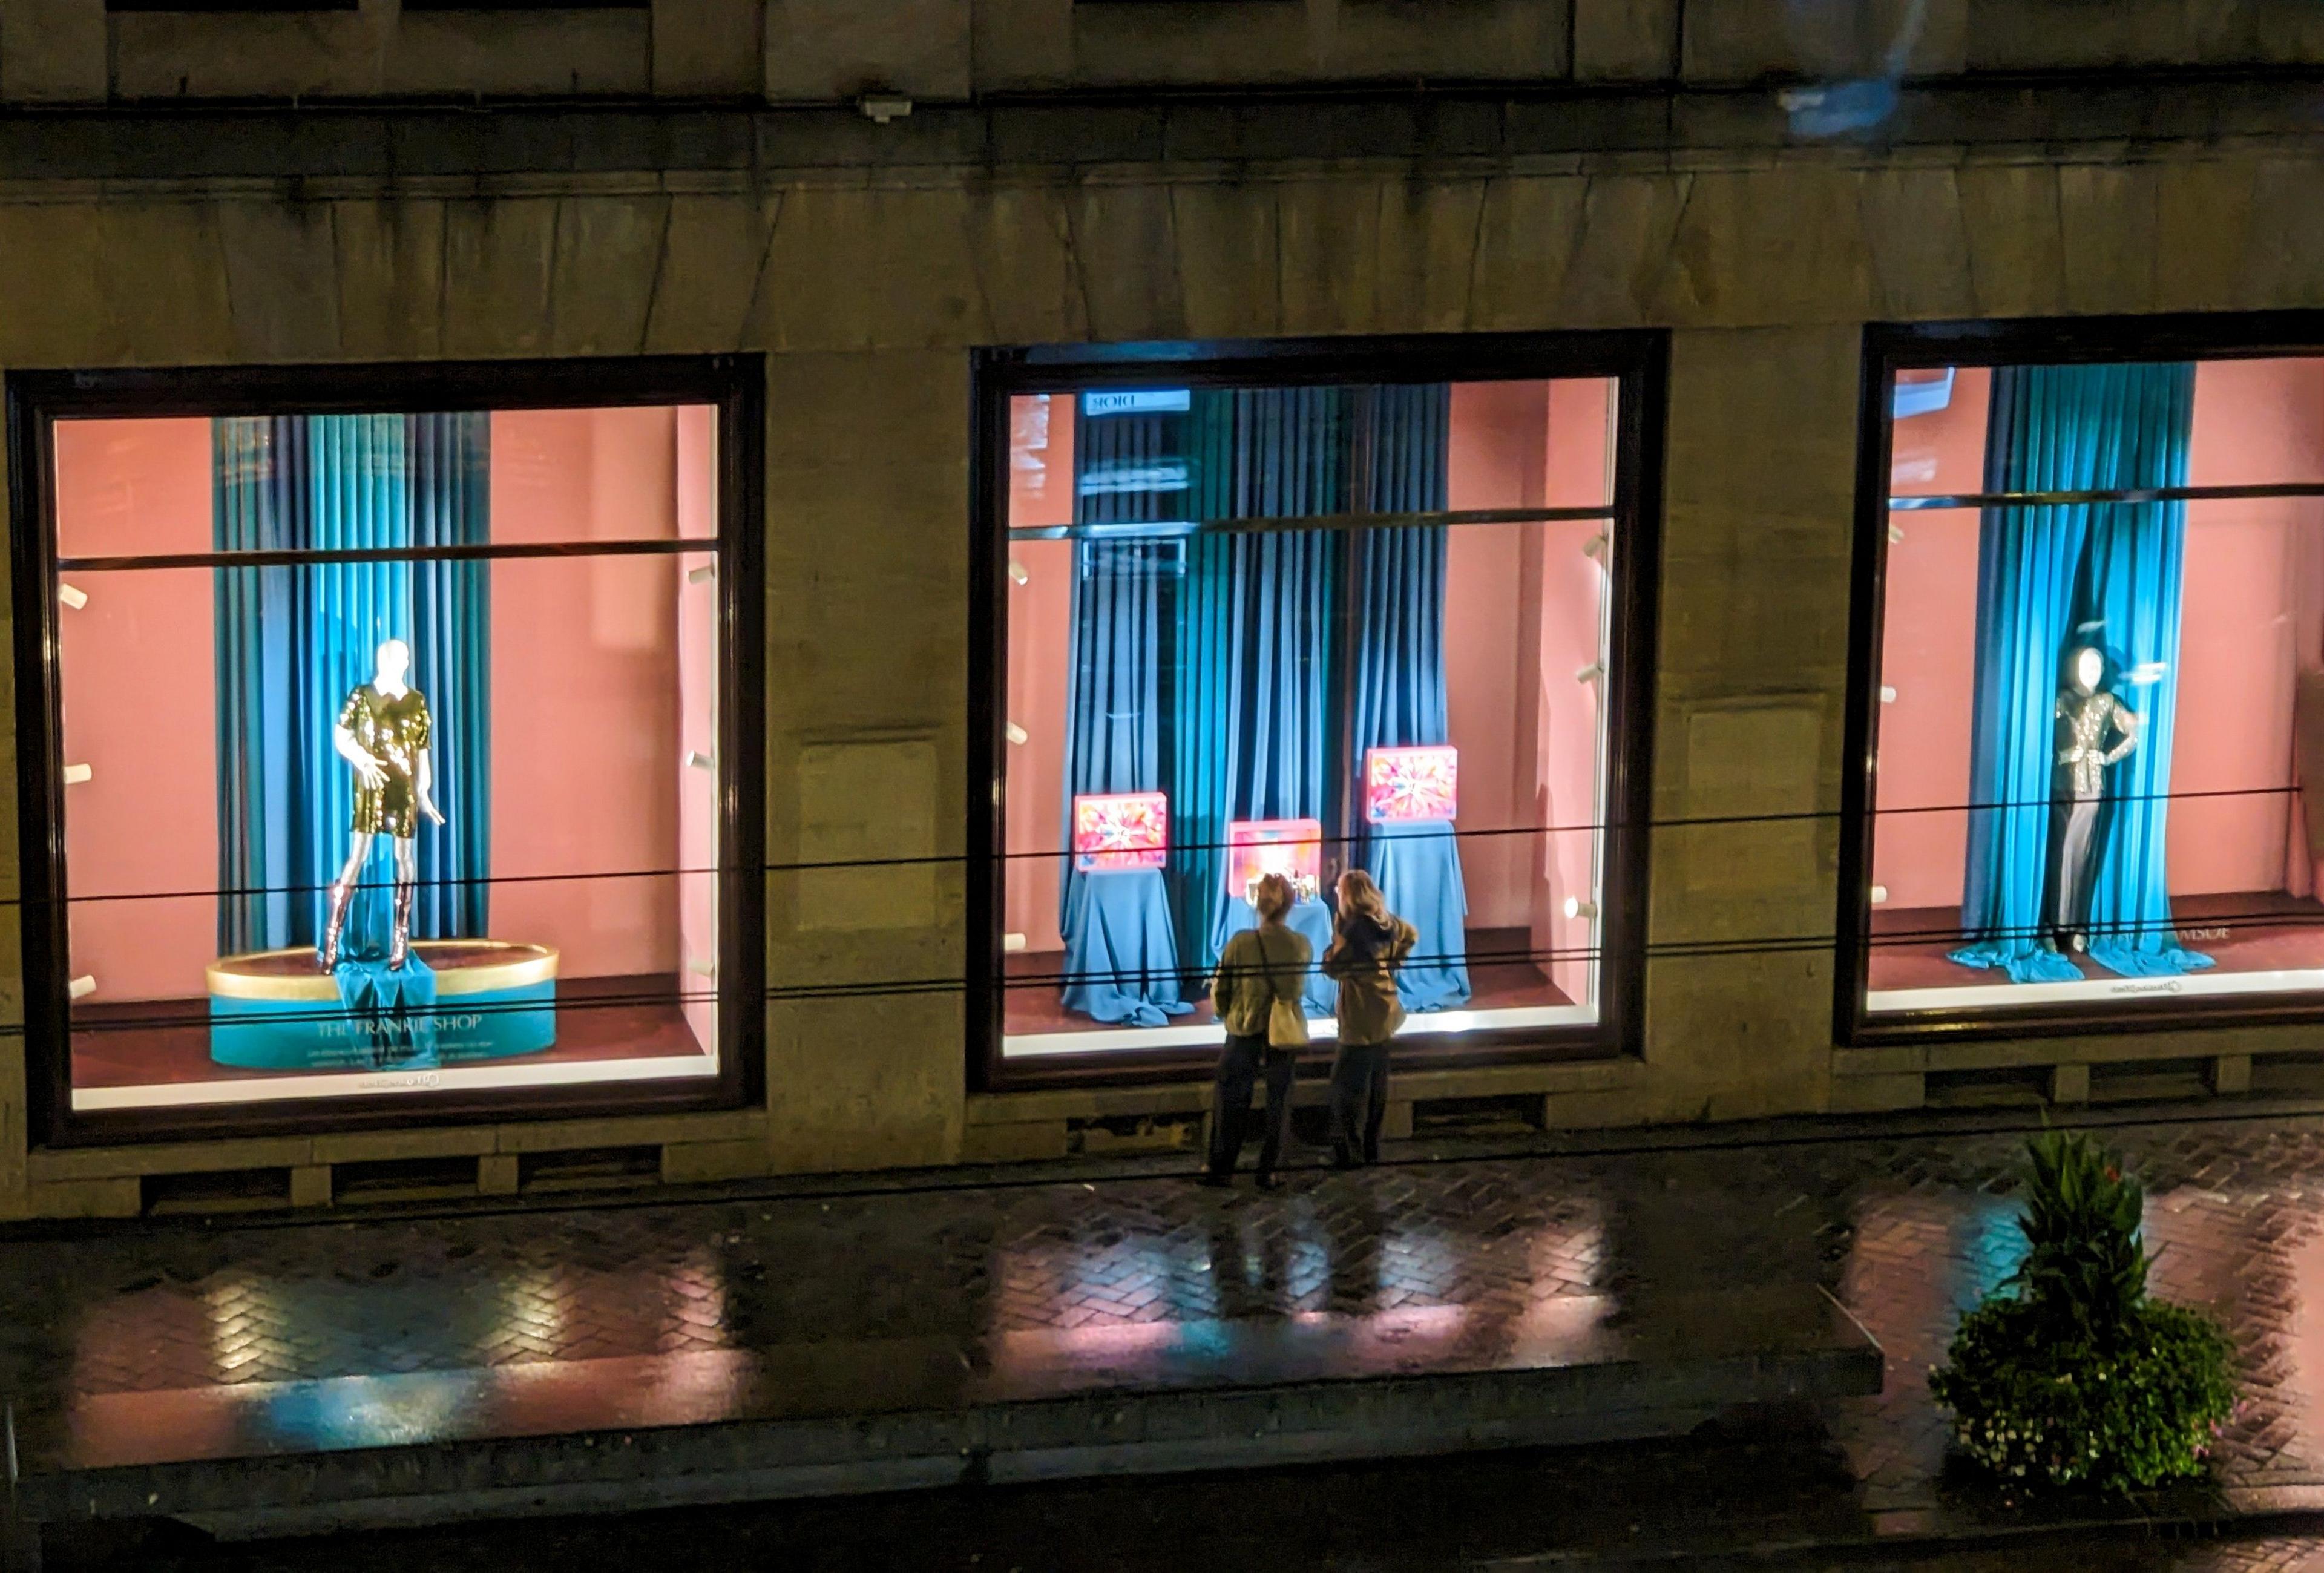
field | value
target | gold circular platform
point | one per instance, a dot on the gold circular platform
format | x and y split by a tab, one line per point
461	967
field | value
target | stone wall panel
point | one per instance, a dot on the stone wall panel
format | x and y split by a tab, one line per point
713	262
1919	245
2284	253
865	1083
818	287
2016	244
49	266
1783	246
499	261
1529	230
1125	259
1618	270
162	274
283	278
391	273
2203	216
1228	261
1429	235
2110	218
604	270
1023	248
1328	239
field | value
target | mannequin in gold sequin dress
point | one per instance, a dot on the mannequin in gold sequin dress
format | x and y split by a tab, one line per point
2085	715
383	730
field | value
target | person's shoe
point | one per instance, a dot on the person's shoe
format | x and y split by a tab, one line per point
1269	1183
1209	1179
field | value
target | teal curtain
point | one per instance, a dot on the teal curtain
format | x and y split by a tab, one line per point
451	468
1399	581
291	641
2053	577
1249	643
1253	718
1121	965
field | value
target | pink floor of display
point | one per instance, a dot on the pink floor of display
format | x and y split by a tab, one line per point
2255	939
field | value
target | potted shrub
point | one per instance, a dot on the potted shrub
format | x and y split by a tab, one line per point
2069	1373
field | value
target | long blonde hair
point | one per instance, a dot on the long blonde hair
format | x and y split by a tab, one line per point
1359	893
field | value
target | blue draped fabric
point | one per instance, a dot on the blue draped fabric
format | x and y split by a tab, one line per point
1121	962
1243	639
292	641
2052	579
1399	681
1252	685
452	638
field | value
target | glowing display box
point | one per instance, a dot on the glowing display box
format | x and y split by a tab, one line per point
1412	784
1293	849
1115	830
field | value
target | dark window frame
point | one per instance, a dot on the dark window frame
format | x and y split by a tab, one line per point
1638	359
1889	348
734	384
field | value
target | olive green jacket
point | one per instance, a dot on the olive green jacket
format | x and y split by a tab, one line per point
1257	968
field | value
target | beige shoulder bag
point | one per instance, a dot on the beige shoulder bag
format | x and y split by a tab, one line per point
1287	1023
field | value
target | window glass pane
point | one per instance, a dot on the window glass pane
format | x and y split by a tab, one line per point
2055	829
529	477
1177	454
219	723
1187	709
2257	422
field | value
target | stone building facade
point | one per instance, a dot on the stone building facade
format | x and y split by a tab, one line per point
703	177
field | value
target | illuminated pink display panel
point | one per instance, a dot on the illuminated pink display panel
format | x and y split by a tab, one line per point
1115	830
1412	784
1293	849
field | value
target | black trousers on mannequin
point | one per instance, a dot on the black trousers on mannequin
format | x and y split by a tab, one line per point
2076	864
1240	1065
1359	1101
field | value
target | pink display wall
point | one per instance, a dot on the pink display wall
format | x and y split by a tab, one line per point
1568	738
140	708
586	690
698	692
2253	585
1040	617
582	650
1523	613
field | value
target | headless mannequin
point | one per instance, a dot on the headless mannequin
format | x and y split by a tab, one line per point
2086	714
383	732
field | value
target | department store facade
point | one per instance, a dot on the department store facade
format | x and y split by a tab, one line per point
619	642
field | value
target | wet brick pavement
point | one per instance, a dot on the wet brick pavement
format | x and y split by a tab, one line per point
1905	1230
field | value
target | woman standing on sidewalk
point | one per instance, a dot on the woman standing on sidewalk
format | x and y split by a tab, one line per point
1367	945
1262	974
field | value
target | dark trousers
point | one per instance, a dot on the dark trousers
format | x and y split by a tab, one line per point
1359	1101
1240	1065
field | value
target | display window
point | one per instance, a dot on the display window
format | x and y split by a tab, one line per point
387	732
2090	680
1305	615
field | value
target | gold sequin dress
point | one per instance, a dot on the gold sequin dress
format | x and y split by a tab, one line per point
2088	717
392	731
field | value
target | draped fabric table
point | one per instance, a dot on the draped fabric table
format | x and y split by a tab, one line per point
1122	961
1417	864
1311	920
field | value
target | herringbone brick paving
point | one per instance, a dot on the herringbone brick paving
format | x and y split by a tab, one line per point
1906	1232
